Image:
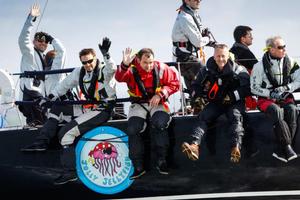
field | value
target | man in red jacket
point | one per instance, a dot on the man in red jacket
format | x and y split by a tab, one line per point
150	83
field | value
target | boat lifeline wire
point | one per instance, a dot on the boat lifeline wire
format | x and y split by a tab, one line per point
42	14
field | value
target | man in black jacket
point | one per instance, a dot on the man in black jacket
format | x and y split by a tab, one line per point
243	39
225	85
243	56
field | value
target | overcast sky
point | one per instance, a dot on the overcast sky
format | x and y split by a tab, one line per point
139	23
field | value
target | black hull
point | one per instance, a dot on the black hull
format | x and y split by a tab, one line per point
31	174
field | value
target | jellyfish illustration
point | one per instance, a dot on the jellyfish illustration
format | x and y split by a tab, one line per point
105	158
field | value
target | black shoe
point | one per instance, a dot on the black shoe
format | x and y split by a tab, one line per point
65	178
36	146
34	124
137	173
280	155
162	168
251	153
290	153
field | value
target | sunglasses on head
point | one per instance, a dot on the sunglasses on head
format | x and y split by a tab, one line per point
42	41
281	47
87	62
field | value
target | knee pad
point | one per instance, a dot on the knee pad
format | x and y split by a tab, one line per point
160	120
136	125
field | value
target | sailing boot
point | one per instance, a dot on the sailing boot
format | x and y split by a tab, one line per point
290	153
235	154
279	154
162	167
67	160
190	150
139	170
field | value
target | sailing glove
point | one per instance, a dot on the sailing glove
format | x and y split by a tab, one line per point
281	89
104	47
206	33
275	95
49	38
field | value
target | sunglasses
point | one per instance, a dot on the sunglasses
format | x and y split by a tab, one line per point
281	47
41	41
87	62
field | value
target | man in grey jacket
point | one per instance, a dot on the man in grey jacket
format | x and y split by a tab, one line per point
189	37
274	79
33	60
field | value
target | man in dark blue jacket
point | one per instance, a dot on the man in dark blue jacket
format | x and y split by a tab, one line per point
225	85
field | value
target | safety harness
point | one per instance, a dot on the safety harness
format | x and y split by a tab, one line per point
188	45
143	95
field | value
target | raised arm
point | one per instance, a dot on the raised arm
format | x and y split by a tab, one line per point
25	43
122	73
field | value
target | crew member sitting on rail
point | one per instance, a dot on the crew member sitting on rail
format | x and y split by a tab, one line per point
274	79
225	85
150	83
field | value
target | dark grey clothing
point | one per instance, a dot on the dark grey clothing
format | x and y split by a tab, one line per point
225	91
285	122
212	111
243	55
158	124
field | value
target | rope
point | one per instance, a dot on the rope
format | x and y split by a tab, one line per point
106	140
41	16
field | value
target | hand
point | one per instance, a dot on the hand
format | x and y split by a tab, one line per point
127	56
275	95
52	97
49	38
43	101
281	89
104	47
35	10
154	101
205	32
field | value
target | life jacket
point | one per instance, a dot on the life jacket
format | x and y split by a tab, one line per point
287	70
140	94
220	83
92	93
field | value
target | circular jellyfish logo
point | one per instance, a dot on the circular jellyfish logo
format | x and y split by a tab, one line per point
104	157
102	160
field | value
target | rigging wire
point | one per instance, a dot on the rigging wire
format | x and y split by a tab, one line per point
42	14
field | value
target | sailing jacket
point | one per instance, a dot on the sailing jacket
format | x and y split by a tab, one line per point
233	80
105	88
260	83
186	29
31	61
168	81
243	55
